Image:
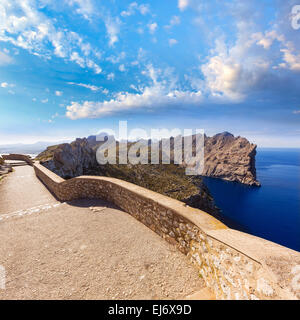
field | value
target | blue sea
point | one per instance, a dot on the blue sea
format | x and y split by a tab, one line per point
271	211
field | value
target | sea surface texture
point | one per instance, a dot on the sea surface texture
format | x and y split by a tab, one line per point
271	211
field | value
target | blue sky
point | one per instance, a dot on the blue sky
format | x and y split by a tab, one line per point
71	67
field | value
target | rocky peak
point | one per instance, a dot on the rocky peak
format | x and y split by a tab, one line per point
226	157
230	158
70	159
224	134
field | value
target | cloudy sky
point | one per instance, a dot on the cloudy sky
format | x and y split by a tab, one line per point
69	68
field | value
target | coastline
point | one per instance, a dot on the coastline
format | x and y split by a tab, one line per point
271	211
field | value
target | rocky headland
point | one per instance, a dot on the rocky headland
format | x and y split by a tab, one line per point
79	158
226	157
230	158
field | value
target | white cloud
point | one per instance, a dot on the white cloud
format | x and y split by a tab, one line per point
292	61
132	86
130	11
113	29
150	98
116	59
234	71
91	64
112	24
134	7
296	112
7	85
23	24
290	57
223	77
5	59
88	86
44	100
144	9
84	7
152	27
76	58
156	95
58	93
122	68
175	20
140	30
172	42
111	76
267	40
182	4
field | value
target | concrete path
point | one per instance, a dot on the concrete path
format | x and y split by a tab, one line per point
84	249
22	190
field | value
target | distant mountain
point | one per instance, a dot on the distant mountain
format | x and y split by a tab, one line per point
33	148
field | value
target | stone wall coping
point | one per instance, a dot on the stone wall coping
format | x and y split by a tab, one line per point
198	217
21	157
54	177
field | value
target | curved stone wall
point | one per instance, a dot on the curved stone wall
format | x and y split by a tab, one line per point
233	264
18	157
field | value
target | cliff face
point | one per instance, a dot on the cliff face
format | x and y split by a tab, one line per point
226	157
69	159
230	158
79	158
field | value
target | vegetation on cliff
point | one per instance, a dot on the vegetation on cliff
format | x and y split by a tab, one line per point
226	157
169	180
79	158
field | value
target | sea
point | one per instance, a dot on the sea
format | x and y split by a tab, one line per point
271	211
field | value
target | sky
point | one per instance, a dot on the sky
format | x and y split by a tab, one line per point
70	68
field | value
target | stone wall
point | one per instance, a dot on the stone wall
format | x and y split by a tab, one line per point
18	157
233	264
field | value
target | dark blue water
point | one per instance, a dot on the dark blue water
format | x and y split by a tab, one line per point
271	211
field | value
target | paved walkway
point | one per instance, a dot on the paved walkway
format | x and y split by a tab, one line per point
84	249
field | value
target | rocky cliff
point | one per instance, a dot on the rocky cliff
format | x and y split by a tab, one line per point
69	160
230	158
226	157
79	158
